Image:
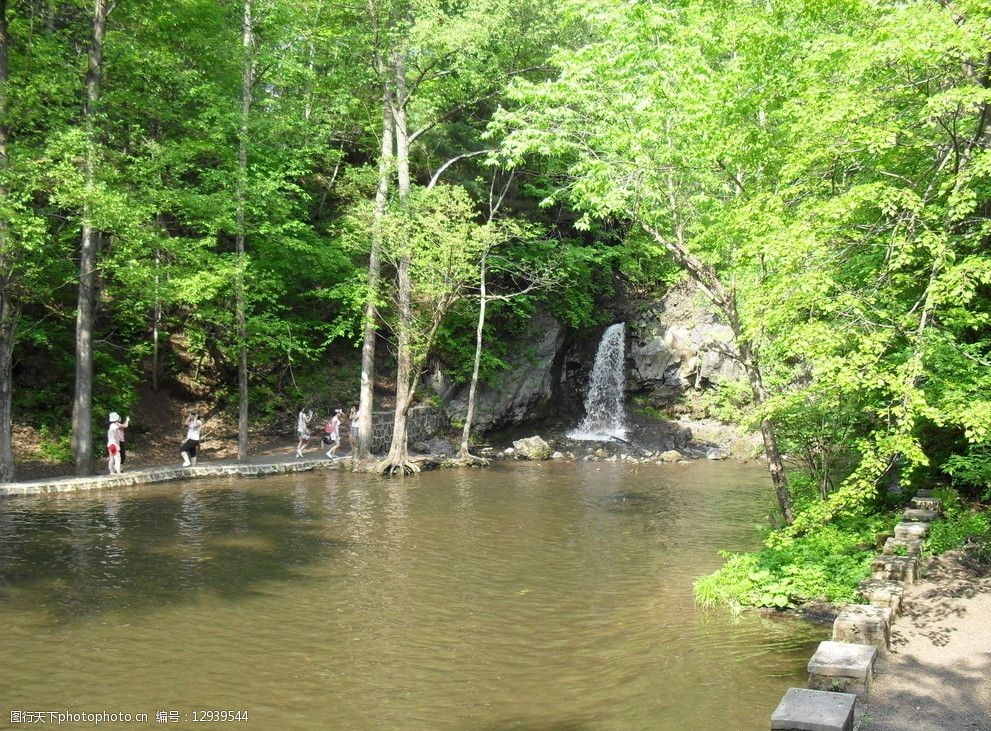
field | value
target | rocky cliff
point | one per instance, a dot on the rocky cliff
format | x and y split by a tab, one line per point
675	343
523	392
678	343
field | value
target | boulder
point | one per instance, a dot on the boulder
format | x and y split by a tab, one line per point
672	455
533	448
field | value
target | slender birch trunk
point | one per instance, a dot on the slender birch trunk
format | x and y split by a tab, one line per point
366	400
463	452
82	407
398	458
247	80
156	319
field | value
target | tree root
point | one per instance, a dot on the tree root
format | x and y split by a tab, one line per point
397	467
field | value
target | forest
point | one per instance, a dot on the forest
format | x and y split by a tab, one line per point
229	195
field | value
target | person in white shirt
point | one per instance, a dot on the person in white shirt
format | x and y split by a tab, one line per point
188	449
353	427
303	430
333	432
115	435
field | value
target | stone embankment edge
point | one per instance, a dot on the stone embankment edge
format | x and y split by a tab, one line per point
156	475
842	669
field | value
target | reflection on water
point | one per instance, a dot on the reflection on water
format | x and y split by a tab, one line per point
554	596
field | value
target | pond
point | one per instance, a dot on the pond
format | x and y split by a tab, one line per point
540	597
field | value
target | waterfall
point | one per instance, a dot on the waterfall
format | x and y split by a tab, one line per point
605	416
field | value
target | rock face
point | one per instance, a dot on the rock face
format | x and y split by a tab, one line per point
680	344
533	448
434	446
521	393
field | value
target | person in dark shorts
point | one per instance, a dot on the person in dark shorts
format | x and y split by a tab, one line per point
189	447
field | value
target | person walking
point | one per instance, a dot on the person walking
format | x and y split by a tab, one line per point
303	430
332	432
194	425
353	427
115	435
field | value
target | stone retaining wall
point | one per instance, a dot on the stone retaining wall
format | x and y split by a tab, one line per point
423	422
165	474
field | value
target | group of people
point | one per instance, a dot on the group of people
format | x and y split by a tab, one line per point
117	453
331	430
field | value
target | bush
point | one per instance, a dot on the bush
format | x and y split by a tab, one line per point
825	565
54	446
959	525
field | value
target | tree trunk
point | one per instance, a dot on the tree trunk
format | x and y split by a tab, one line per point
247	80
156	319
775	465
8	313
365	403
8	324
704	276
82	407
464	453
398	458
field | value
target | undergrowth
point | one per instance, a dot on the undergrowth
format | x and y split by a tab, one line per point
825	565
829	563
961	524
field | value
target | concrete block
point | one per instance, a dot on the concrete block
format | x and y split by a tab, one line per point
814	710
863	624
902	547
882	593
925	516
911	530
894	568
843	667
927	503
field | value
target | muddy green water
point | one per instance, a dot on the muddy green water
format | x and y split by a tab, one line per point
532	597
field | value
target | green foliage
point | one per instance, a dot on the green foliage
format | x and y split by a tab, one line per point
960	524
972	469
825	565
729	402
54	446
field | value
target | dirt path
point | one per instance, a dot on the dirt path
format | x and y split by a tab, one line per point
937	676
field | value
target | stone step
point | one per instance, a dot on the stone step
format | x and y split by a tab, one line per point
843	667
801	709
902	547
894	568
925	516
882	593
923	493
908	529
863	624
927	503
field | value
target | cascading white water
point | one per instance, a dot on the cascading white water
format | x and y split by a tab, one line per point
605	415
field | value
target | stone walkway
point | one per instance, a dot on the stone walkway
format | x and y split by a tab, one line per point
937	676
267	465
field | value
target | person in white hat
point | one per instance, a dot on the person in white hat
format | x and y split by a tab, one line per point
115	435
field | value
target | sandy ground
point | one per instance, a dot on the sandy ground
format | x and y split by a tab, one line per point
937	676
